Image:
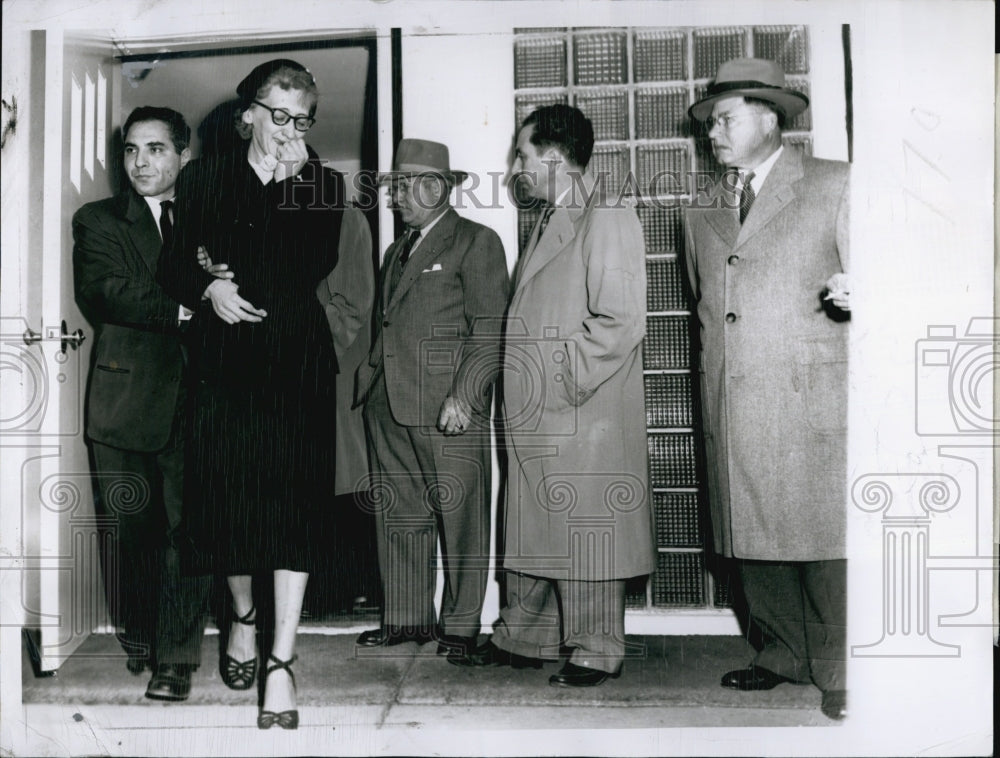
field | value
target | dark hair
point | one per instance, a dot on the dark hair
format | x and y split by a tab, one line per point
180	132
773	107
284	73
565	128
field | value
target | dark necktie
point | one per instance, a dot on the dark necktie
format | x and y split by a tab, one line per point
746	197
166	227
546	215
411	239
396	272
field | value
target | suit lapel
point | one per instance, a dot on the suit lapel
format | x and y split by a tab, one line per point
142	230
560	231
558	234
723	212
391	256
776	193
439	238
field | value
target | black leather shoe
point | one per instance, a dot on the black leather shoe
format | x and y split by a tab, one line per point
448	643
835	704
571	675
489	654
172	681
752	678
387	636
137	664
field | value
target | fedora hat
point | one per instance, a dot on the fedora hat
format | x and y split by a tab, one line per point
415	157
750	77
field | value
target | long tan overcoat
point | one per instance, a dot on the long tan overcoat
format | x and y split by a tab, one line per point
577	498
347	294
774	361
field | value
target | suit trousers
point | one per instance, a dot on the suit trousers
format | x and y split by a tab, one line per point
161	609
802	609
427	487
593	620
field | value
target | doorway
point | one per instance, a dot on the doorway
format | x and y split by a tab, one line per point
201	84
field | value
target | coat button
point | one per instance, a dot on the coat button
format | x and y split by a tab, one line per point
730	318
733	259
385	323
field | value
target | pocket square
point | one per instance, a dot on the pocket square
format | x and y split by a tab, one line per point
435	267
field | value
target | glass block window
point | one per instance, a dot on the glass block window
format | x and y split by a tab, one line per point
668	343
665	285
540	62
662	229
636	85
663	169
788	45
660	55
611	163
679	580
668	399
716	45
607	111
672	460
676	516
600	58
661	112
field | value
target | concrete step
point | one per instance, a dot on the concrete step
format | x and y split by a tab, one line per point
363	701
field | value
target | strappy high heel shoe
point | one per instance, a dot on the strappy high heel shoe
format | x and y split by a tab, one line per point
239	675
284	719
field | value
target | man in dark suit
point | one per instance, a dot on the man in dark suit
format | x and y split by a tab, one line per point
134	404
767	258
427	387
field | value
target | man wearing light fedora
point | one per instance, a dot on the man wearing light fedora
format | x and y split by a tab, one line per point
767	256
427	388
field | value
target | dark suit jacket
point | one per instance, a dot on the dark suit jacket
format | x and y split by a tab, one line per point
137	359
439	331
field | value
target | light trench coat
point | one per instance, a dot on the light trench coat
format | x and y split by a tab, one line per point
774	361
577	495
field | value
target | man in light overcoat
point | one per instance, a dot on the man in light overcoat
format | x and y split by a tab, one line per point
428	387
577	521
767	259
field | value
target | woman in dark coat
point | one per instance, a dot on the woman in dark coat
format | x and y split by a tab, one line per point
261	460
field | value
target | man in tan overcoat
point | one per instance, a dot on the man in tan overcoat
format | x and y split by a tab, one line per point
767	258
577	520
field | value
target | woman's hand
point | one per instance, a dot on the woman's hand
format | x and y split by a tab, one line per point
218	270
292	156
229	306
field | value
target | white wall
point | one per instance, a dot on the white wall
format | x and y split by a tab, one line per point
459	89
467	102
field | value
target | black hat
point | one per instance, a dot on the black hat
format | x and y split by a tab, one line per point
253	81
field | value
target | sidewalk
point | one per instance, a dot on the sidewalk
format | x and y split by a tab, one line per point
395	699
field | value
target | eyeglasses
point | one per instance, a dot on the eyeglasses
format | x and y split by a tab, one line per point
725	121
280	117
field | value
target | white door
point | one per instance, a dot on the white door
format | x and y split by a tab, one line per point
46	347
